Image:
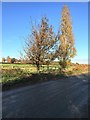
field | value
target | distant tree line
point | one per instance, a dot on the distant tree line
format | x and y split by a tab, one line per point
9	60
13	60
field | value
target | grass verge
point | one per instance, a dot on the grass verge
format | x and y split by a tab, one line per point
33	79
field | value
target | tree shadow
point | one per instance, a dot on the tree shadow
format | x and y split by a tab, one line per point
35	78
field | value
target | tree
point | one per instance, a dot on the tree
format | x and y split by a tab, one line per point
9	60
66	49
3	60
13	60
40	44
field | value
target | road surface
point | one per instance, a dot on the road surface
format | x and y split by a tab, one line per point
64	98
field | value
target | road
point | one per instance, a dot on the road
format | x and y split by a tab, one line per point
64	98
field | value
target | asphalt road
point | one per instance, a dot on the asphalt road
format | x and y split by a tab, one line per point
64	98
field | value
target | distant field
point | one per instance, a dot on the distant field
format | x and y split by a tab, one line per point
32	68
27	67
15	65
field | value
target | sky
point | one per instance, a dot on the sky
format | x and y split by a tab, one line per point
16	25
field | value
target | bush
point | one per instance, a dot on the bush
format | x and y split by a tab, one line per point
10	74
77	63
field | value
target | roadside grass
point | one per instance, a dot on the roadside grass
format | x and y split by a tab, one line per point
32	79
13	75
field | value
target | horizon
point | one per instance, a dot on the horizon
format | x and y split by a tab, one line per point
16	25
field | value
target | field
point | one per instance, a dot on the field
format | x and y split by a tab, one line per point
17	73
11	72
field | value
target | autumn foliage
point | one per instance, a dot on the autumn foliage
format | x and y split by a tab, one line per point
40	44
66	49
44	46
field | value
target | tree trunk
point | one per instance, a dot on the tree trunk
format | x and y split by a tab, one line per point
48	67
38	67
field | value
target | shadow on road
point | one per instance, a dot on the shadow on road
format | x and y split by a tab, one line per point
38	78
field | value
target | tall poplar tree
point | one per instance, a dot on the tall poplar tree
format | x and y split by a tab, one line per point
66	49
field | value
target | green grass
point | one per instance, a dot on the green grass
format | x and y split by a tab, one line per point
15	65
12	74
33	79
